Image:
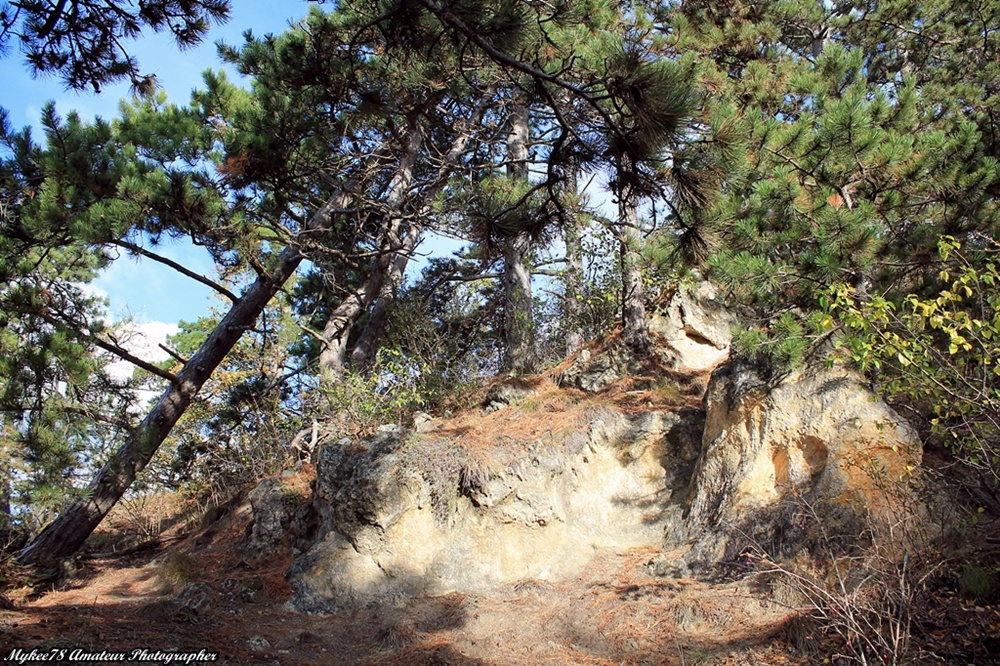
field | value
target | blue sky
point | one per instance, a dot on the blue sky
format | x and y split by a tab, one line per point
146	291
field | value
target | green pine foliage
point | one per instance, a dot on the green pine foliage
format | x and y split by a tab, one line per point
858	158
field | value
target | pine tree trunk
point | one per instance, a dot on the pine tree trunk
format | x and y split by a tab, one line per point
518	319
573	275
68	532
519	329
363	353
333	357
6	520
572	289
635	329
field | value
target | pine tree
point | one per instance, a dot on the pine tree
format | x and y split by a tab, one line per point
84	41
854	170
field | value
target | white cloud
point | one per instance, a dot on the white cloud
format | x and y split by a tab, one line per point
142	339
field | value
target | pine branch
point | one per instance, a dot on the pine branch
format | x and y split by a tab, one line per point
174	354
452	277
131	247
80	331
450	19
123	354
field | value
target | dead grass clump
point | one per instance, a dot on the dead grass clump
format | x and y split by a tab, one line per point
438	614
181	568
397	635
440	461
863	589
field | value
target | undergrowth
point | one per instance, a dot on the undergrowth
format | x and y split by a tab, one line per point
864	598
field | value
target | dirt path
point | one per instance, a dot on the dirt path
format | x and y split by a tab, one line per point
615	612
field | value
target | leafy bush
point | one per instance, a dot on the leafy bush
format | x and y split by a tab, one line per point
937	354
388	392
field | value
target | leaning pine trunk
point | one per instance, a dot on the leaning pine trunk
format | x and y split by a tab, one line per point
364	351
635	329
68	532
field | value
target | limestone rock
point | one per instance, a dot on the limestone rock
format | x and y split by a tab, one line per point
694	335
423	422
593	372
817	436
405	513
195	598
258	644
274	503
383	535
696	326
506	393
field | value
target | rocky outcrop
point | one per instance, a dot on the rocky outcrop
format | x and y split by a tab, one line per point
693	332
275	503
404	513
595	371
695	326
816	440
509	392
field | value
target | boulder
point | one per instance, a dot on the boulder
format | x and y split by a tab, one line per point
693	335
195	598
696	327
816	440
275	503
404	513
508	392
595	371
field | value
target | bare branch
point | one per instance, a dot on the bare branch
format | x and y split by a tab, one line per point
174	354
131	247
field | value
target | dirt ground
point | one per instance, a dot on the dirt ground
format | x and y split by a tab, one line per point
199	593
616	612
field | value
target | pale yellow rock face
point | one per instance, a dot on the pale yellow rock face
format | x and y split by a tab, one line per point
695	327
397	521
818	432
555	511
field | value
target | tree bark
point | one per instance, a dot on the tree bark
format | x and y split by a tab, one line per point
572	288
519	328
68	532
364	350
573	275
6	520
635	329
518	319
333	357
